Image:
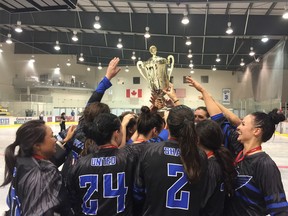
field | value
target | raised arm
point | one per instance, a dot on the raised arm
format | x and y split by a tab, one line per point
211	105
232	118
112	71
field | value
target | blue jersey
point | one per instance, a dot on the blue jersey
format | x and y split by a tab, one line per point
161	185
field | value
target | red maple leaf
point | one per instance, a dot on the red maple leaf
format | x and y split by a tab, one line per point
133	93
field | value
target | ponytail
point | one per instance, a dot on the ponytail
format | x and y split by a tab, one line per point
189	152
225	160
10	162
181	126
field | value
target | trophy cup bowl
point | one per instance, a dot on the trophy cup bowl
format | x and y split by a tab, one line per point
155	71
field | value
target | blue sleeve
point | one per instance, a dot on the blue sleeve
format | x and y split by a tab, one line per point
103	85
164	134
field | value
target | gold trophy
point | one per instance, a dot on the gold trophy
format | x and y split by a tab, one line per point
157	72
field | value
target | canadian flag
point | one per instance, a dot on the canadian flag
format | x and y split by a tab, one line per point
134	93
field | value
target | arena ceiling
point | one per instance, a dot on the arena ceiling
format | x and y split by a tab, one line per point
46	21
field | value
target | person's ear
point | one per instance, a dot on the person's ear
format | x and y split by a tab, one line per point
36	148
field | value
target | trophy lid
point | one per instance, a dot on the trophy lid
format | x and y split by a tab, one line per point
154	58
153	50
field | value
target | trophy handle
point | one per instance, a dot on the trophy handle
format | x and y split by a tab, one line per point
171	62
139	67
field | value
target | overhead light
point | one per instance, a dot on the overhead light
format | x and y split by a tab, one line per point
189	54
57	47
242	63
218	58
68	63
1	50
99	66
214	68
81	58
127	69
257	59
264	39
88	69
133	57
229	29
188	41
191	64
119	45
57	69
18	27
97	24
139	58
185	19
32	60
74	37
9	40
251	53
147	34
285	14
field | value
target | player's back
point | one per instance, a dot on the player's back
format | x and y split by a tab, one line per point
100	183
161	175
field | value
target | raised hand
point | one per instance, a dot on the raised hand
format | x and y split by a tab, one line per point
113	69
195	84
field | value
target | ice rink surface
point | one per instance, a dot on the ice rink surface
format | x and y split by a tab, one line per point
277	148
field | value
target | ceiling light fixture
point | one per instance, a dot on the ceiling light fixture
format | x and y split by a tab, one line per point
74	37
68	63
285	14
251	53
257	59
32	60
264	39
189	54
88	69
81	58
242	63
9	40
99	66
188	41
147	34
229	28
18	28
57	69
191	64
185	19
218	58
133	57
57	47
97	24
127	69
214	68
120	45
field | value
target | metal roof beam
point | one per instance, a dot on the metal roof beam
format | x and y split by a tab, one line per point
271	8
131	7
114	7
96	6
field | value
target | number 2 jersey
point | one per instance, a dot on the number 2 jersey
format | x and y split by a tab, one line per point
161	185
101	182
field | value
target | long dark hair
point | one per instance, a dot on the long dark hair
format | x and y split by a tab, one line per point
267	122
102	128
211	137
27	135
92	110
148	120
181	126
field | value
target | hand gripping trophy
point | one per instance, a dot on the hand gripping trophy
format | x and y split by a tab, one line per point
156	72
